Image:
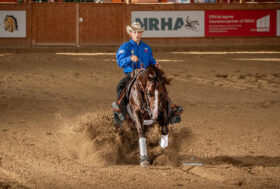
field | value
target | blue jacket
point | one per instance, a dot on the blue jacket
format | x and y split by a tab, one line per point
142	51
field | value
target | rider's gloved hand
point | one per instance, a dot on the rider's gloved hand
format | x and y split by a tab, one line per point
134	58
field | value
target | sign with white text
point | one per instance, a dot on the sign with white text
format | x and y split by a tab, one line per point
13	24
170	23
240	23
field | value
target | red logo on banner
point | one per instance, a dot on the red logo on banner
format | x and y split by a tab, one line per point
240	23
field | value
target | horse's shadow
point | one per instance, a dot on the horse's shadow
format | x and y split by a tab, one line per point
171	155
241	161
179	136
123	145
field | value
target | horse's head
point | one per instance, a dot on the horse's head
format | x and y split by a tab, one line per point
154	90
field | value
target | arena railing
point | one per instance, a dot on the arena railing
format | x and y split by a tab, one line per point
143	1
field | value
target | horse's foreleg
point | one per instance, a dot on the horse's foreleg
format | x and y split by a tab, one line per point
142	139
164	129
143	148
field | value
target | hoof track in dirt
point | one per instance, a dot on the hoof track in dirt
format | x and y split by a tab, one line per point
98	141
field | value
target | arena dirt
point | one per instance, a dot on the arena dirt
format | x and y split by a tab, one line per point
57	131
94	139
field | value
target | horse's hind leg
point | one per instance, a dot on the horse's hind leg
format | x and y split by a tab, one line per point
164	129
144	161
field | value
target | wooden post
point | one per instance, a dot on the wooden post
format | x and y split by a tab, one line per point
78	25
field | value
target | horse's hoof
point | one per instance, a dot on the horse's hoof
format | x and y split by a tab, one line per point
144	164
144	161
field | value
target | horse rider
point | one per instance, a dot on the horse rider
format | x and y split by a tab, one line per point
131	55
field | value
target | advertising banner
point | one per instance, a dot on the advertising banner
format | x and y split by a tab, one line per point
278	22
170	23
13	24
240	23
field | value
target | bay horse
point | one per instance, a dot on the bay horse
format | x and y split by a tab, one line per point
148	104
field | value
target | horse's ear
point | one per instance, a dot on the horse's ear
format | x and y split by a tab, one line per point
165	79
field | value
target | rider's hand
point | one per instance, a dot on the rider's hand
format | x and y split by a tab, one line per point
134	58
158	65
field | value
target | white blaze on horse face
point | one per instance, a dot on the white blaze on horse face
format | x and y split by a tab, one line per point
155	109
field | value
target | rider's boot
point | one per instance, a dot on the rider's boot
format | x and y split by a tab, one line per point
176	112
118	108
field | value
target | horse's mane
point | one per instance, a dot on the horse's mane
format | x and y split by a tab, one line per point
161	76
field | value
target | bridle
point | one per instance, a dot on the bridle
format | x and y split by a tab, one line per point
146	105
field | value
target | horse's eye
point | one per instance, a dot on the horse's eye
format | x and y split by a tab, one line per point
150	78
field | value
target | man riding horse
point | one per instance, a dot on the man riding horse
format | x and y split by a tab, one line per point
148	97
131	55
